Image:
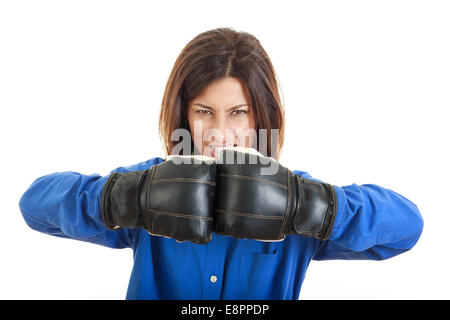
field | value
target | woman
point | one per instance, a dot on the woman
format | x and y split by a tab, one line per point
221	91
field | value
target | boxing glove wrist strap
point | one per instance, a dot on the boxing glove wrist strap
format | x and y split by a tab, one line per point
314	207
120	200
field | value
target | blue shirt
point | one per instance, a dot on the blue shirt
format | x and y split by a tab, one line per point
371	223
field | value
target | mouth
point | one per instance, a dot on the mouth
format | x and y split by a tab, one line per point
216	148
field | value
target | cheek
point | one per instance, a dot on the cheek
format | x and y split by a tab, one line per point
246	134
250	121
197	128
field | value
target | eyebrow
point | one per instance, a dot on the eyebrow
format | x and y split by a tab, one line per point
208	107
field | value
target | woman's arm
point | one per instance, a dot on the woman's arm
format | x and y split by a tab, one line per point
67	204
371	223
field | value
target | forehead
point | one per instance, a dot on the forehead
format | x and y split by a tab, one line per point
224	93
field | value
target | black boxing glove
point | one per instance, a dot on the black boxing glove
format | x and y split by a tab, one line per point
173	199
258	198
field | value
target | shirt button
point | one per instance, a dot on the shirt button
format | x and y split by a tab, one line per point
213	279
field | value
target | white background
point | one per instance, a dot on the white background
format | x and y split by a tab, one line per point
365	84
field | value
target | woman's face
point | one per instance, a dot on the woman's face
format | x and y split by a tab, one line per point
221	115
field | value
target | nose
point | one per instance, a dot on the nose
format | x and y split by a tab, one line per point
219	131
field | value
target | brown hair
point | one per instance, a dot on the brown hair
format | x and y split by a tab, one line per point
217	54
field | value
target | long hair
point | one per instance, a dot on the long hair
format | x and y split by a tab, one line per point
214	55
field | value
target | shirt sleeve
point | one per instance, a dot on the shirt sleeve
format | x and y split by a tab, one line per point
67	204
372	223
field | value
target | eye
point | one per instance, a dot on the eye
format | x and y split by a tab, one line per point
203	111
239	112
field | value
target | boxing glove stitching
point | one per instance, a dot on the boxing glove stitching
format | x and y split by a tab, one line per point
324	217
333	212
148	184
282	186
250	215
183	180
288	204
179	215
140	218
